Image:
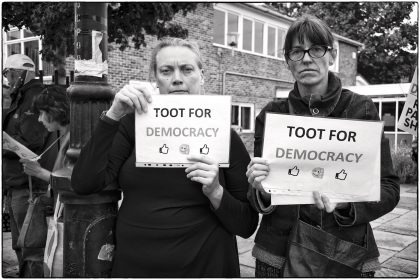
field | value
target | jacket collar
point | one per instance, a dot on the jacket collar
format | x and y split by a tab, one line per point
317	105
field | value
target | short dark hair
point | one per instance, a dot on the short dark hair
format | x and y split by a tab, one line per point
311	28
55	102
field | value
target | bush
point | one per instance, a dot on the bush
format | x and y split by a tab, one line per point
404	166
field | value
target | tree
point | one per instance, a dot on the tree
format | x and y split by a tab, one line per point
389	38
54	23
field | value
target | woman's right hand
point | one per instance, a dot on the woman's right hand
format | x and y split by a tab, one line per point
257	170
130	98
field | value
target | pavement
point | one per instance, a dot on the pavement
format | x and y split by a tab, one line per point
395	234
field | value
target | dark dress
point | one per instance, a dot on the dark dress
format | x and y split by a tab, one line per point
166	227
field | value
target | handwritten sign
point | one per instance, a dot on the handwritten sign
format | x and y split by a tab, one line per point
340	158
9	143
409	117
176	126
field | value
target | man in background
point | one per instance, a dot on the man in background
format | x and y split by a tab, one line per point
21	124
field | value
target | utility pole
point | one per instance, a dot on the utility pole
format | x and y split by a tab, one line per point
89	220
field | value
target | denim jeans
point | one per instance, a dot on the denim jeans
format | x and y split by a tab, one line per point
30	259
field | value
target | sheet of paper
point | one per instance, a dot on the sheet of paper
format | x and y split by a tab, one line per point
408	121
177	126
9	143
338	157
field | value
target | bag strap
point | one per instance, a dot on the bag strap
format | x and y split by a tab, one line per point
28	217
58	208
30	188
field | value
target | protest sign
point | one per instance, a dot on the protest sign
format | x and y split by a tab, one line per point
9	143
409	116
177	126
340	158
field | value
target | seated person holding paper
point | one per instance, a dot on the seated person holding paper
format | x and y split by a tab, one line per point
53	108
317	92
173	222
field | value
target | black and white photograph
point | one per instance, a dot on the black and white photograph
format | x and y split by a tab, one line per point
210	139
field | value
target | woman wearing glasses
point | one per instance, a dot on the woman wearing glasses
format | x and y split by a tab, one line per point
317	92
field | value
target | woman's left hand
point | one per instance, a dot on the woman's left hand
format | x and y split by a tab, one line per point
204	170
323	202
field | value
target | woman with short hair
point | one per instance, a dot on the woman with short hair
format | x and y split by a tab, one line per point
309	52
173	222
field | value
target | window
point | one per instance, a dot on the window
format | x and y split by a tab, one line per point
247	35
271	41
259	37
219	27
23	41
232	25
390	110
256	35
281	34
243	116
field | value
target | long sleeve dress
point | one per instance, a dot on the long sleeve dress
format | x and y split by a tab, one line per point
166	226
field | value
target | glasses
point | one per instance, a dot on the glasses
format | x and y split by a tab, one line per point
314	52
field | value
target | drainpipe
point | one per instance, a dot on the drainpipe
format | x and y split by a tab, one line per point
89	220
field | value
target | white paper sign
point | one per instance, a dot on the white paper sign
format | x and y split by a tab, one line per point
176	126
9	143
340	158
408	121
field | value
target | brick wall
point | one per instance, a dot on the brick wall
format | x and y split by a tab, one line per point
247	77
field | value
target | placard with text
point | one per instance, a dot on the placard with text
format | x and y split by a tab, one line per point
337	157
177	126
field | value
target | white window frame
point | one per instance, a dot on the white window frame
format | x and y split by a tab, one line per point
22	40
251	117
242	14
396	100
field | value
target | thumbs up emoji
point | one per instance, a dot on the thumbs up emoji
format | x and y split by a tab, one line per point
341	176
163	149
294	171
204	150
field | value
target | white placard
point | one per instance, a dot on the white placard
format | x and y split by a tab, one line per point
408	121
176	126
9	143
340	158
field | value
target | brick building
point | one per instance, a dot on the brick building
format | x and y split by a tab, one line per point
253	71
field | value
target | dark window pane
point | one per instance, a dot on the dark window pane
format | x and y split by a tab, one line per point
235	115
246	117
247	35
376	105
32	50
400	109
271	41
13	35
259	37
388	115
219	27
13	49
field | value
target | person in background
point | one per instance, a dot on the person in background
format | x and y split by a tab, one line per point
53	107
173	222
22	124
317	92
